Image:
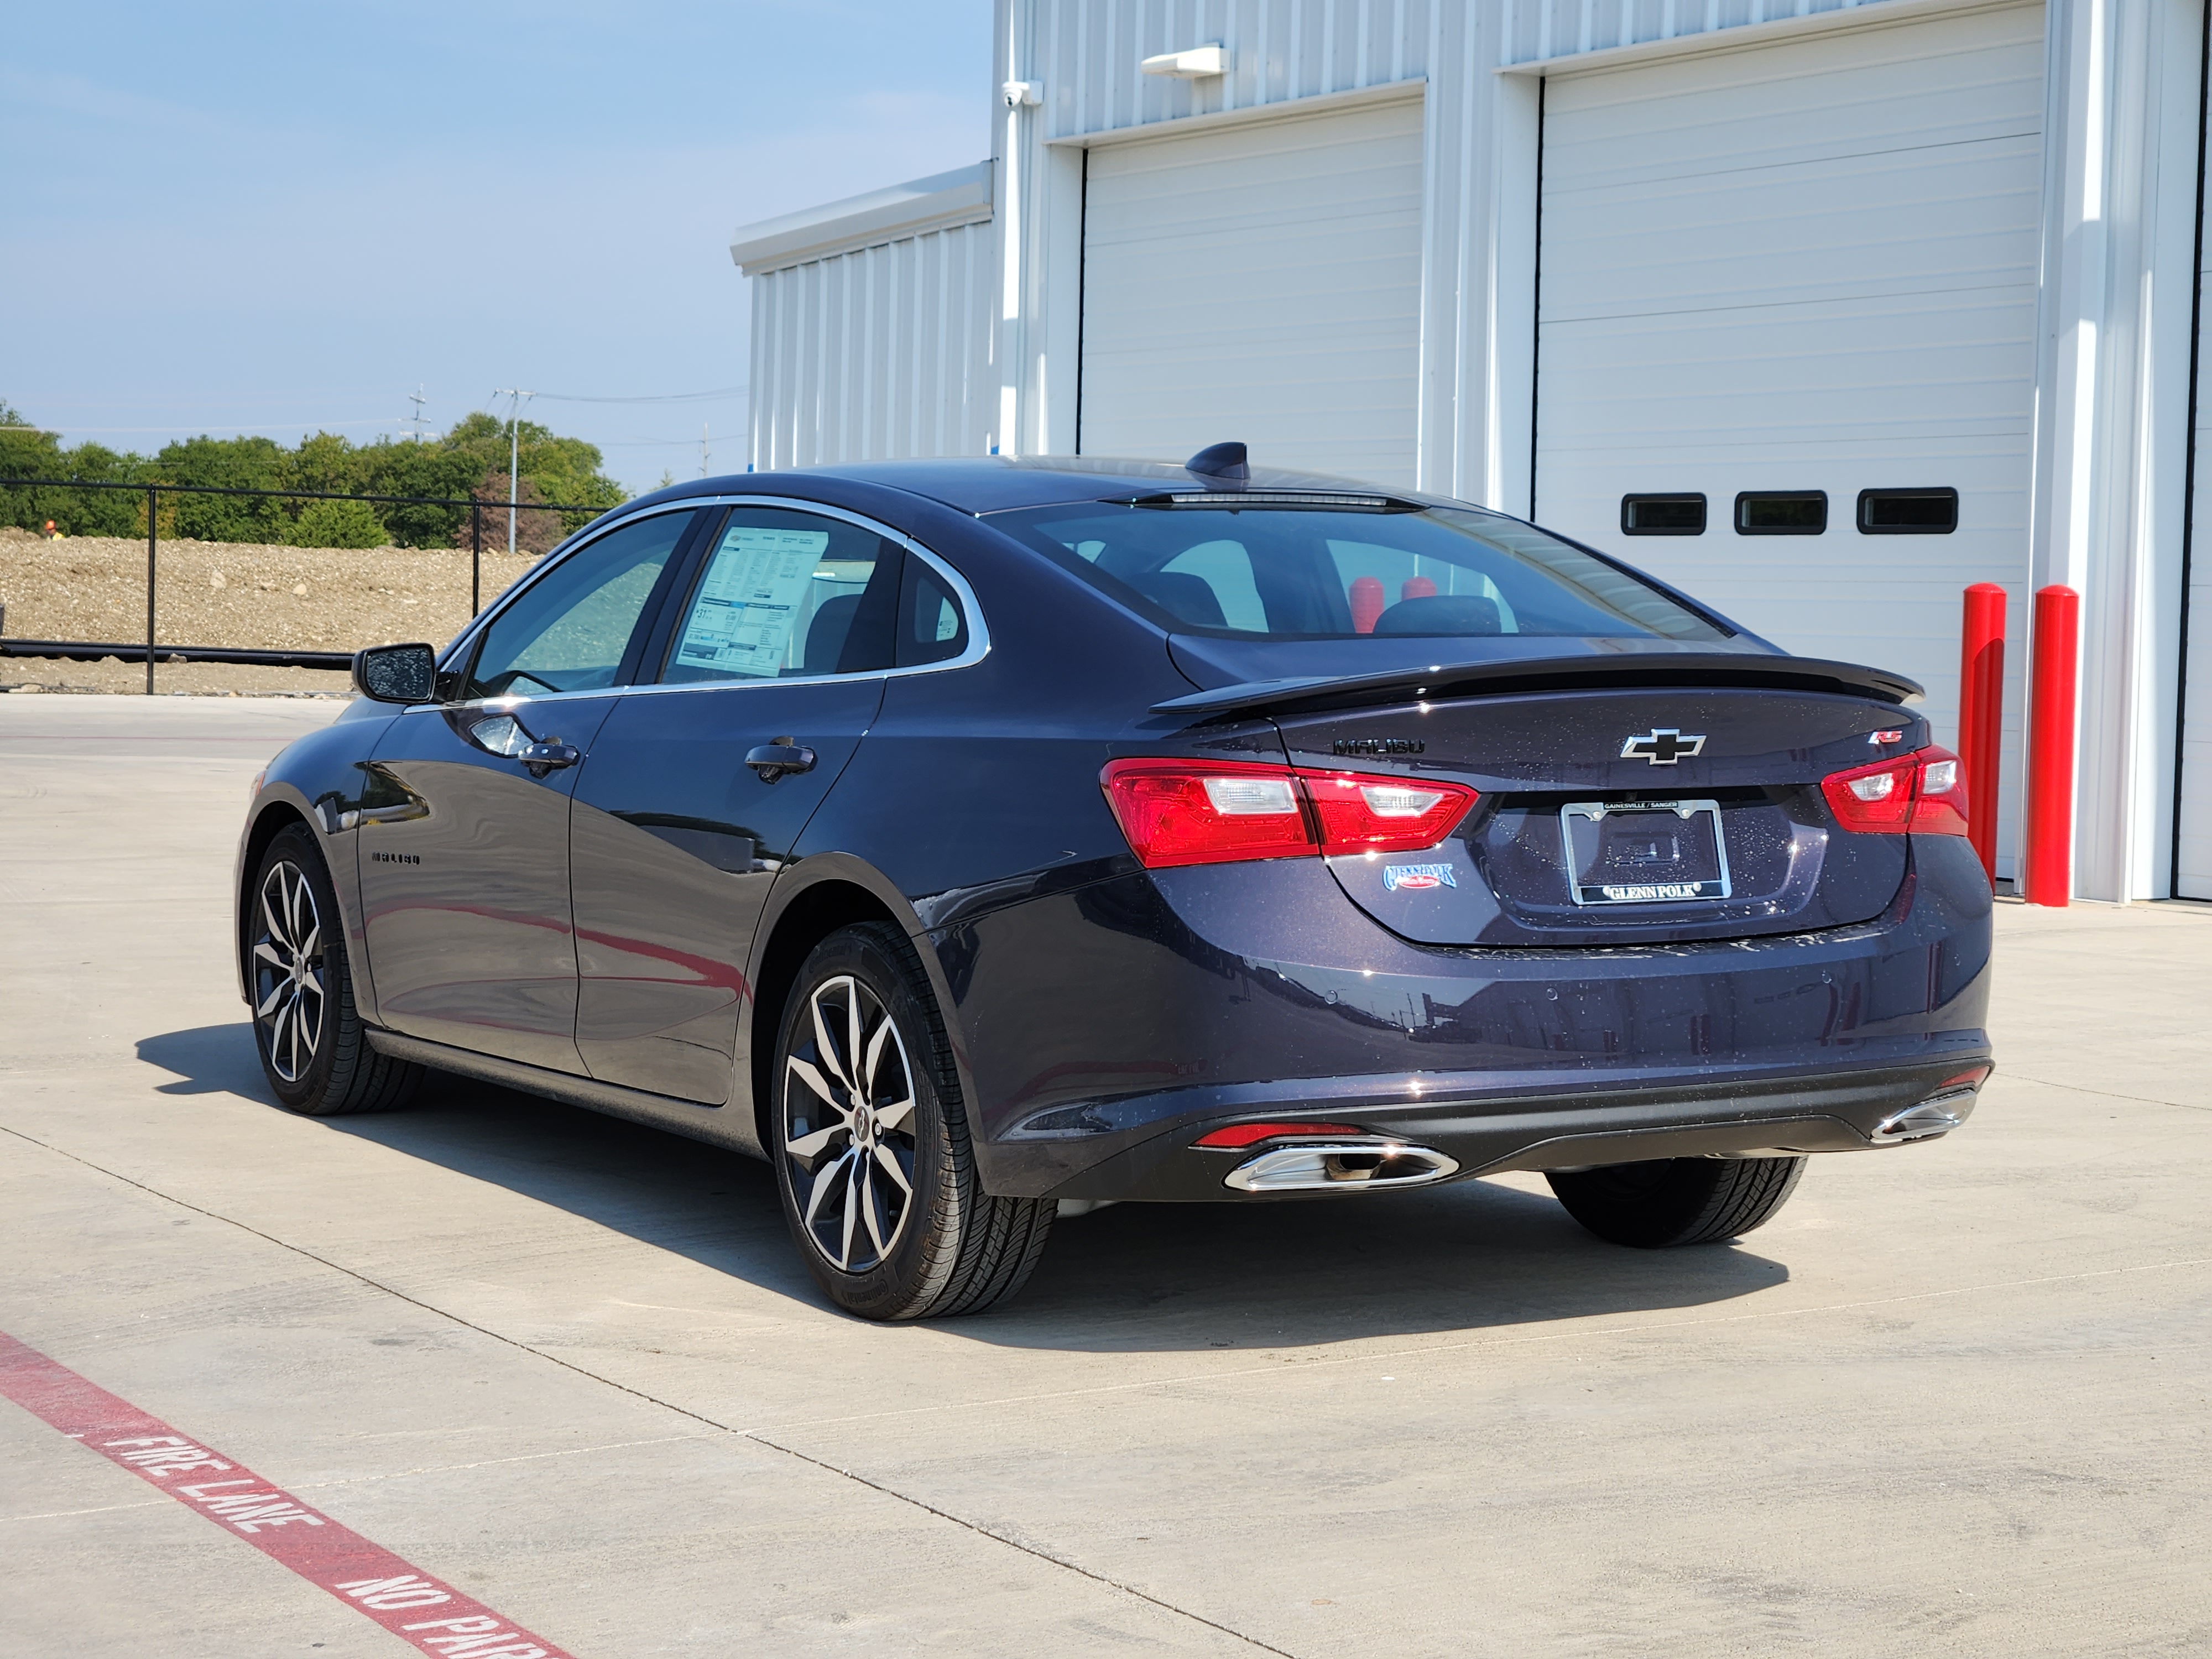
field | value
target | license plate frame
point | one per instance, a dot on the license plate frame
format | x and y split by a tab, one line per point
1693	886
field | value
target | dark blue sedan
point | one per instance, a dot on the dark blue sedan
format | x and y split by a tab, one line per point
979	841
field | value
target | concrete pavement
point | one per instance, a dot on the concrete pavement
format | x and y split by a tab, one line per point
1954	1400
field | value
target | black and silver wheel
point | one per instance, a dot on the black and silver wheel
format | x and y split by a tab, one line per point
290	996
872	1148
1677	1200
313	1049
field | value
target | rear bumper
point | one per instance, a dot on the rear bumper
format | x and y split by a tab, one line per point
1486	1135
1101	1031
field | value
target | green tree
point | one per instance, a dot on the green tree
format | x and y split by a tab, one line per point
469	462
339	523
230	464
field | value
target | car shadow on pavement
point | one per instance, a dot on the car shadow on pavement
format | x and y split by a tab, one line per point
1131	1278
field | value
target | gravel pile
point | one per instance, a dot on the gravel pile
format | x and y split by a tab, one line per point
311	599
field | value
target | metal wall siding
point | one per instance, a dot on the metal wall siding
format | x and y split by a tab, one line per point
1088	53
2192	866
1537	29
878	353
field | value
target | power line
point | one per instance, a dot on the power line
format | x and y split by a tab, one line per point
200	426
666	398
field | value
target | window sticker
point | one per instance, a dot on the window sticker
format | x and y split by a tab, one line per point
750	601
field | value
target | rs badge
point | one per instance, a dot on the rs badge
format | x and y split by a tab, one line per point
1417	876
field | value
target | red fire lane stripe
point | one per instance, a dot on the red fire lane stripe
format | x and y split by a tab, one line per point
433	1615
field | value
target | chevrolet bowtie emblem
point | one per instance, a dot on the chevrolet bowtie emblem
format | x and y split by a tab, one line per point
1663	746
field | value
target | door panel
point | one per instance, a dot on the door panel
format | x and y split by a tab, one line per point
782	640
674	846
466	905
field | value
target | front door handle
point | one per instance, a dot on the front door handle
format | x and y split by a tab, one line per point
773	760
543	757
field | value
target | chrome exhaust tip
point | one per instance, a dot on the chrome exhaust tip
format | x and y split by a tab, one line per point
1938	1114
1341	1166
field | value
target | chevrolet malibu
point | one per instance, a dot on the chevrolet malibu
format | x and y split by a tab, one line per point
983	841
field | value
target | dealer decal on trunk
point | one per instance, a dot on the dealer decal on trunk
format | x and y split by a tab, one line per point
1418	876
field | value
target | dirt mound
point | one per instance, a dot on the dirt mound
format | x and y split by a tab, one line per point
311	598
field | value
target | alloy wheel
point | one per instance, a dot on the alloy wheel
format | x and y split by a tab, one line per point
288	972
848	1111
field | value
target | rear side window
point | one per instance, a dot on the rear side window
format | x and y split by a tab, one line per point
932	627
784	595
1330	571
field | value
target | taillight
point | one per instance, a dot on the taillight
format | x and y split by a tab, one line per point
1183	811
1175	812
1924	793
1383	815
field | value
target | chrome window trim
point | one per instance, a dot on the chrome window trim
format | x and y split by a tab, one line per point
979	633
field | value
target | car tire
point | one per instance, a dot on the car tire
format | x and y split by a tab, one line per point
313	1049
1677	1200
873	1160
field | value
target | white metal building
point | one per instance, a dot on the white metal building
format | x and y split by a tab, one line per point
1562	256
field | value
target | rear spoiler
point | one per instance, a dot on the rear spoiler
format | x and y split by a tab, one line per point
1701	670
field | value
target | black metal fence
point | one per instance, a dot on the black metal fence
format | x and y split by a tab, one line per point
94	651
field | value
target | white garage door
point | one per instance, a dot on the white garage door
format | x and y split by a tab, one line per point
1259	282
1804	267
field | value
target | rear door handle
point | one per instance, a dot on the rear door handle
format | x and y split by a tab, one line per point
543	757
773	760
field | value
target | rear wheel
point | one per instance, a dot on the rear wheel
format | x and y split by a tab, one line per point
314	1050
1677	1200
871	1144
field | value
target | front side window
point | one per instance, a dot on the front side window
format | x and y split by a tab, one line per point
1275	572
785	595
570	630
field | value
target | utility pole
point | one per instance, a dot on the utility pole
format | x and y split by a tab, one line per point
415	419
514	452
706	455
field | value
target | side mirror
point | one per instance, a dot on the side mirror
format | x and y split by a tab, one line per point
396	673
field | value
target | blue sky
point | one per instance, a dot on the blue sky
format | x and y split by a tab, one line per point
228	217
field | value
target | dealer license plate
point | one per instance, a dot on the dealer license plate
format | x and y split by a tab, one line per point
1644	852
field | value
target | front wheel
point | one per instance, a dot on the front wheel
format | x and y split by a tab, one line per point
871	1146
313	1051
1677	1200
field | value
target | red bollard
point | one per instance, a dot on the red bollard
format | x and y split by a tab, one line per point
1367	602
2056	673
1981	715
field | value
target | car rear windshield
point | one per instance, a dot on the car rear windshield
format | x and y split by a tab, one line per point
1332	571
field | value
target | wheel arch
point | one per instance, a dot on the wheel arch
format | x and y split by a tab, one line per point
824	892
270	819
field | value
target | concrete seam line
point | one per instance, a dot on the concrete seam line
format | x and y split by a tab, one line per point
639	1394
426	1613
2104	1094
1031	1549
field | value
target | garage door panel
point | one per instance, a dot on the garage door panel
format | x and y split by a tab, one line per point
1949	368
1806	265
1924	221
1938	82
1260	283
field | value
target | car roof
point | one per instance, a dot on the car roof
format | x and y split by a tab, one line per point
993	483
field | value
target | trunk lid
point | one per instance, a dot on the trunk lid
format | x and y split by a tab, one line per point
1621	815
